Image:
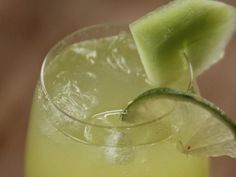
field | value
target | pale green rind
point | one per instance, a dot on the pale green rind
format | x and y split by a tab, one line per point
201	29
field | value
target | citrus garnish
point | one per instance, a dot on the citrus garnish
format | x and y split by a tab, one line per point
198	126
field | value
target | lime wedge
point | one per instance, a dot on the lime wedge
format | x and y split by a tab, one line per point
198	126
199	29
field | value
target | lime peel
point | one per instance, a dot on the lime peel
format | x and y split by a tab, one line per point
201	127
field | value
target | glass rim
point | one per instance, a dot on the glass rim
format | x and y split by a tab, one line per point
67	40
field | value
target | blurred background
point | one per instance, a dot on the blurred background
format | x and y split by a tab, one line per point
29	28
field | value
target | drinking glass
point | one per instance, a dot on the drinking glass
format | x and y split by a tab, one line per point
76	129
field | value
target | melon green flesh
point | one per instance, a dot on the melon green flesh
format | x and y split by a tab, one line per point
198	126
198	29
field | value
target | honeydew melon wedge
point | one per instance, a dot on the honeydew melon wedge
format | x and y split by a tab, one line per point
198	30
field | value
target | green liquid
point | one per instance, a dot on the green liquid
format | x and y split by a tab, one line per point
92	81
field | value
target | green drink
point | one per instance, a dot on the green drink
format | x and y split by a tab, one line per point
112	104
76	128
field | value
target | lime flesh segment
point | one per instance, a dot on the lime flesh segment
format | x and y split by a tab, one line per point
199	29
198	126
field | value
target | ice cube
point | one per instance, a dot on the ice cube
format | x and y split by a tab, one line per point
119	148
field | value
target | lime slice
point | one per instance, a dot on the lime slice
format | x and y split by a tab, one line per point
199	29
198	126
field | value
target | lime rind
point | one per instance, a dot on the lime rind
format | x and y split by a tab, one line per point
188	96
199	126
